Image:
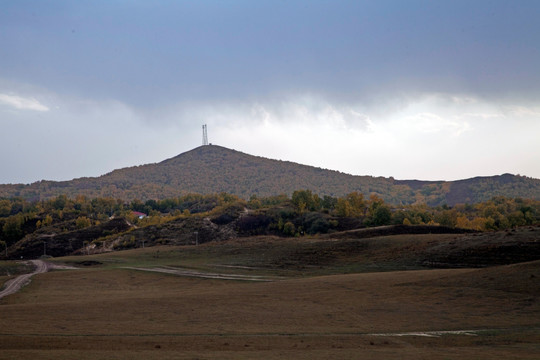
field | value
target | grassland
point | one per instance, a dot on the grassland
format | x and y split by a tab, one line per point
340	299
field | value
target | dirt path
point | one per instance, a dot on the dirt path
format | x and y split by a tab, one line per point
438	333
205	275
14	285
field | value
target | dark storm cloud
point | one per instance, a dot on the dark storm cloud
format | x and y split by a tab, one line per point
153	54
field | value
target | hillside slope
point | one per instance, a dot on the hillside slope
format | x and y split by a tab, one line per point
214	169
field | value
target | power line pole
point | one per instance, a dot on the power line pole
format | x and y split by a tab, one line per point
204	135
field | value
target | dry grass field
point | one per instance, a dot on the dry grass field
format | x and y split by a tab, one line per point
337	309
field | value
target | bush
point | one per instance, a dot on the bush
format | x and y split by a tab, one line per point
288	228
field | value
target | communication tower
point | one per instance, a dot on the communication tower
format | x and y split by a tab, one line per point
204	135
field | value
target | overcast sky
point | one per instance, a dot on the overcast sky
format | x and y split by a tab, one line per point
433	90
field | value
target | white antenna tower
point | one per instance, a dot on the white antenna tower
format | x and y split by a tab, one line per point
204	135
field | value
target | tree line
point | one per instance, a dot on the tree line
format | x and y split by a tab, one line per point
304	212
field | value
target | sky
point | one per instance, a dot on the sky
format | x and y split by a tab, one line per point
431	90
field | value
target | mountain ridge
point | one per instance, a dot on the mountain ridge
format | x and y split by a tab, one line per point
213	169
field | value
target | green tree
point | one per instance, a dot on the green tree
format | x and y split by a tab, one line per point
378	213
382	215
328	202
303	200
447	218
60	202
12	229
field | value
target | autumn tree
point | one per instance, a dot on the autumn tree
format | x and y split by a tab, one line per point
357	203
5	208
447	218
343	208
304	200
82	222
378	212
254	202
352	204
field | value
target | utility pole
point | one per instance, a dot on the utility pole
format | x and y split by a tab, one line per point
44	248
196	238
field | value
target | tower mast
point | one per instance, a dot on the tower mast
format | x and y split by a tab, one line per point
204	135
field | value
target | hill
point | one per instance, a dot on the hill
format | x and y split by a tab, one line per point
215	169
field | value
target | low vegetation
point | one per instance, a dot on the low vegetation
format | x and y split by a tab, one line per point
63	225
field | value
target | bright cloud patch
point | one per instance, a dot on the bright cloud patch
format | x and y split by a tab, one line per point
430	137
432	123
22	103
522	111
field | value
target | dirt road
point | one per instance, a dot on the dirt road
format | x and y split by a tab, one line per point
205	275
13	285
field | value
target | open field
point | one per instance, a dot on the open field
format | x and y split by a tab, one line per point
332	307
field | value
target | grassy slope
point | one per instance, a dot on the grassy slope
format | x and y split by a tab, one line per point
344	252
108	311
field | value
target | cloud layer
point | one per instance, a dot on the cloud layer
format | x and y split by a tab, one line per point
416	89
